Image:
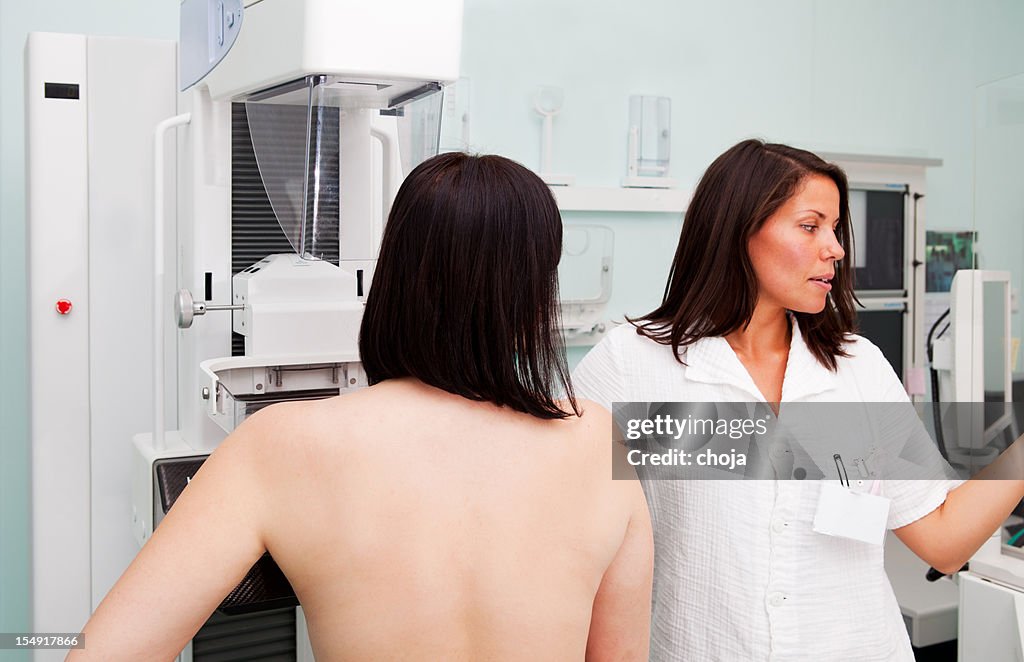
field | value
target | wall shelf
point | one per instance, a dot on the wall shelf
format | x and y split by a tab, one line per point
660	200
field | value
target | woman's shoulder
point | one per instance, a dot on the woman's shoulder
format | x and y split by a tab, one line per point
593	436
298	428
859	349
866	365
619	335
628	339
593	416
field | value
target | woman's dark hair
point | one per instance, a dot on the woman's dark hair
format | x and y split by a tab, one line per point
712	288
465	294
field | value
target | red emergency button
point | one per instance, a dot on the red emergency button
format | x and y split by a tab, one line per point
63	306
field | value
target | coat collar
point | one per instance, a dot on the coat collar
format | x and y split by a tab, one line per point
712	361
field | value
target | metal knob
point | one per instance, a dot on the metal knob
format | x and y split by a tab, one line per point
187	308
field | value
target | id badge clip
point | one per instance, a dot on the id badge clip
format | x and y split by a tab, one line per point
845	513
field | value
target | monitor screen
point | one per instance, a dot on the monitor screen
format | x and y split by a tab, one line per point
877	217
885	329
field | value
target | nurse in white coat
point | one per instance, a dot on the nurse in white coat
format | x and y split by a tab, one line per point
759	308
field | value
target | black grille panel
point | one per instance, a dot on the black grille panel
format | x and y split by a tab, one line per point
255	232
267	636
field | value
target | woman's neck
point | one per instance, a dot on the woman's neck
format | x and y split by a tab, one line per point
763	349
767	333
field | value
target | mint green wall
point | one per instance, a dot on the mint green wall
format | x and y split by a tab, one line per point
870	76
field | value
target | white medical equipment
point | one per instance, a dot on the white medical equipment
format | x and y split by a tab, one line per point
649	143
973	363
548	101
585	282
291	106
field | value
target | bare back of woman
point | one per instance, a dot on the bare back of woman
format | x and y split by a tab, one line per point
426	526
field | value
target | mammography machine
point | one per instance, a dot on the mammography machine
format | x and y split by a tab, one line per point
294	122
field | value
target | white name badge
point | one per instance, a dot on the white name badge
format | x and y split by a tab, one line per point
848	514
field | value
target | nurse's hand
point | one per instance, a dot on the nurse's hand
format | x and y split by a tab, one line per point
948	537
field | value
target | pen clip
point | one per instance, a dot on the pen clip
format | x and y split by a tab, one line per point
841	469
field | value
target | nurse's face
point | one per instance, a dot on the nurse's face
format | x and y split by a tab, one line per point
795	251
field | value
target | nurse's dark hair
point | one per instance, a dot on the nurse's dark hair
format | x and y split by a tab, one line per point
465	293
712	288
